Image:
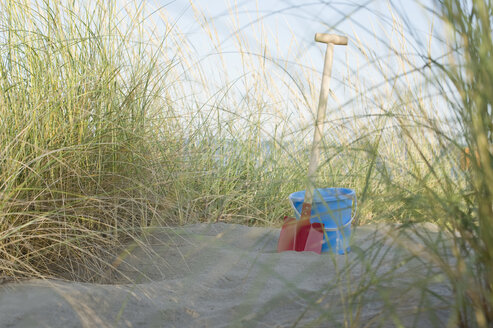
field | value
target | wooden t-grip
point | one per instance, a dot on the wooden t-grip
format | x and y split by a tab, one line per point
331	38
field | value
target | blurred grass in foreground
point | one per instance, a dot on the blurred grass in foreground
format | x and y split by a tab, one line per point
467	211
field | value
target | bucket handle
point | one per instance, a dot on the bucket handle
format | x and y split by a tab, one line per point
331	229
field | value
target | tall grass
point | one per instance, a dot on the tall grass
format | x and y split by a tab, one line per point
435	187
79	168
466	209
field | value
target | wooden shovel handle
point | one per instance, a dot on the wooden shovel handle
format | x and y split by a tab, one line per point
330	39
339	40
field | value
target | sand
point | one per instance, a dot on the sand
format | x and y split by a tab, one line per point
226	275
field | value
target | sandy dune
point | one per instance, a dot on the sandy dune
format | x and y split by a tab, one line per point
225	275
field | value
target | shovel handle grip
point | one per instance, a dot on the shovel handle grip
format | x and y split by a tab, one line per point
339	40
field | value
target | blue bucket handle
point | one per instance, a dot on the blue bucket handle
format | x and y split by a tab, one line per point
332	229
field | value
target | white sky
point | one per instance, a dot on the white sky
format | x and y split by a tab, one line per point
282	31
287	27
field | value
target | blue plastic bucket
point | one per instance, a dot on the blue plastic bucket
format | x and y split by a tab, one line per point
332	207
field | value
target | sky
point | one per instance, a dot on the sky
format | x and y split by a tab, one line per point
280	35
370	21
285	18
288	27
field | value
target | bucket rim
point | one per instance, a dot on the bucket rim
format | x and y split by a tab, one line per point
346	193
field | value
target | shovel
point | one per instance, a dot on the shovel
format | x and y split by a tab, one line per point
301	235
